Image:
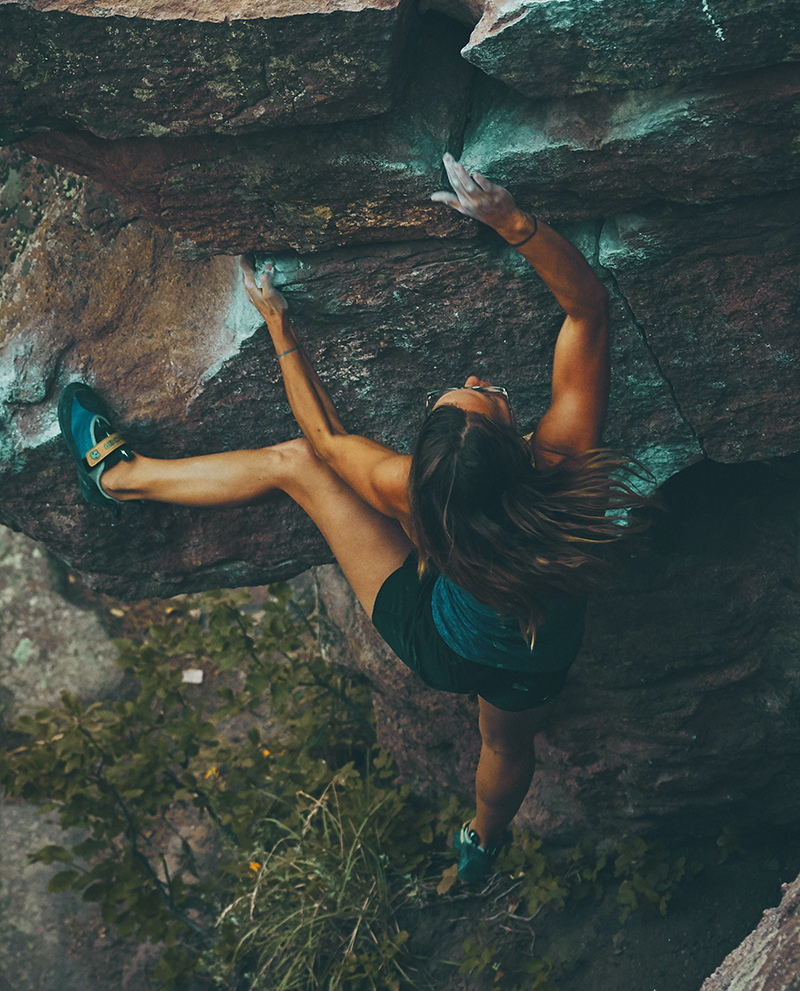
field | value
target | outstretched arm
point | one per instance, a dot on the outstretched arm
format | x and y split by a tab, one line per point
377	473
579	399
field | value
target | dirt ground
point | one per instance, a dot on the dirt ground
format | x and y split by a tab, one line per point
706	919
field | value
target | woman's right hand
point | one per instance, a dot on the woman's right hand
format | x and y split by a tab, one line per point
265	297
475	196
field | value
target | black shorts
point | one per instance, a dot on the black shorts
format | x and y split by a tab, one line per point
403	617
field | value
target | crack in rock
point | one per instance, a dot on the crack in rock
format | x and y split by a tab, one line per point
629	313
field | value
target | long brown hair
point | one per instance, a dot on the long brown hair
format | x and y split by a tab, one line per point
507	532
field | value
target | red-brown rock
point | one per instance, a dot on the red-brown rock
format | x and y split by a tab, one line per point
564	47
304	188
170	67
769	959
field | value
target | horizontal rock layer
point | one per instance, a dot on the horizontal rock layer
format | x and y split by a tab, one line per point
546	48
165	68
305	188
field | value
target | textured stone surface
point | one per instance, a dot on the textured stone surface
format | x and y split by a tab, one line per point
178	353
769	959
681	712
549	48
606	153
159	68
46	645
306	188
715	308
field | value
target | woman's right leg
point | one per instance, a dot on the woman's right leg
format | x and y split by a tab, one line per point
368	545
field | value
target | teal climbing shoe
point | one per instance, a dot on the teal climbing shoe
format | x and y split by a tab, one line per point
93	443
475	862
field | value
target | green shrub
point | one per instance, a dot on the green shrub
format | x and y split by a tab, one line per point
320	851
313	808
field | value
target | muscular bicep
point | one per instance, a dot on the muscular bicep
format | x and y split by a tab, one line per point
574	421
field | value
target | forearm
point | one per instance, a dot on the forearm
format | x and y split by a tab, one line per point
561	266
309	400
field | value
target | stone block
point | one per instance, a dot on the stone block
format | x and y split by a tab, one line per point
605	153
549	48
159	68
305	188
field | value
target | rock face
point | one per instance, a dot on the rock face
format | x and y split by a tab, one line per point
313	137
553	47
156	68
769	959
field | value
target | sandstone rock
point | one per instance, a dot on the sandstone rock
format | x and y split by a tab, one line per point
92	294
306	188
607	153
715	316
769	959
681	713
557	47
164	67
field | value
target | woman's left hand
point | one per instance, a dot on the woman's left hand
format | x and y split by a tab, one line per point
265	297
475	196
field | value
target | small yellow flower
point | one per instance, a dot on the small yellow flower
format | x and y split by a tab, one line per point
210	771
265	752
255	866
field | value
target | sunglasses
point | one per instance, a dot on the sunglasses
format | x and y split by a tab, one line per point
435	395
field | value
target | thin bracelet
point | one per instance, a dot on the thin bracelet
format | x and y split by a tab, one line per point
535	229
295	348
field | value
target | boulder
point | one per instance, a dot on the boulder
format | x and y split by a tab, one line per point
671	161
769	959
547	48
46	644
159	67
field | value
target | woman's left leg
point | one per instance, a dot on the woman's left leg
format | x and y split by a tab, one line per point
505	769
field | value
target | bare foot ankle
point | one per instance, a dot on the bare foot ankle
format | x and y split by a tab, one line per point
115	481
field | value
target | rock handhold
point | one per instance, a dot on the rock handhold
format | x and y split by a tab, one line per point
600	154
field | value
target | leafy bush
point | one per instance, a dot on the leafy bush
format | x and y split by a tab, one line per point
319	850
316	844
651	876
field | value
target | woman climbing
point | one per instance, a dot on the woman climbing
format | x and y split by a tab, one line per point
473	555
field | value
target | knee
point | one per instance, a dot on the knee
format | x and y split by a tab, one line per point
508	743
509	750
298	465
